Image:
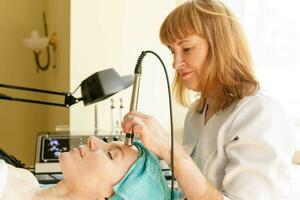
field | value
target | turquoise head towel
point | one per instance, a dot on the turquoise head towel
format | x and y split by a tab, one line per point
144	180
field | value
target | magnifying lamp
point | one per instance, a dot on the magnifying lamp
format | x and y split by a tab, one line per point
94	88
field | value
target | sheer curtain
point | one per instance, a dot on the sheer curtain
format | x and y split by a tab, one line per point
273	31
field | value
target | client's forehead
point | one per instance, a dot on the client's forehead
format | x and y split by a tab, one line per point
120	144
124	147
130	153
117	144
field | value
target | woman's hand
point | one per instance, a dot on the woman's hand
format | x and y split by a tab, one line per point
152	134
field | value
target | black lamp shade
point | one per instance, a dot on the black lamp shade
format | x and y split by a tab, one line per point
102	85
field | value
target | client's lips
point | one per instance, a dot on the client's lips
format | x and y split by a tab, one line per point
80	152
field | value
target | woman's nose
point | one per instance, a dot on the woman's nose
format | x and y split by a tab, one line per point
178	62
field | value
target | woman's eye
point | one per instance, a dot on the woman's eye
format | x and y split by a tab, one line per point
109	155
186	49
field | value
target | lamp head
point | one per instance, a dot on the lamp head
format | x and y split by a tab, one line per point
102	85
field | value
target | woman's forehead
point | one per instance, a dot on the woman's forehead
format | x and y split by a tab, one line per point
189	38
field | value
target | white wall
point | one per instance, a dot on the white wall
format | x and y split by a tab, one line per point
237	7
112	34
274	40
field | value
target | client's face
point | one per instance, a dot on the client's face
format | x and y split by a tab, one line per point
97	166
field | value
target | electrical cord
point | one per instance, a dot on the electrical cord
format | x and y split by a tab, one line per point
52	176
76	89
138	67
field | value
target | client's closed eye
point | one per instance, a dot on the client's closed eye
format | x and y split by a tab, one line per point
109	155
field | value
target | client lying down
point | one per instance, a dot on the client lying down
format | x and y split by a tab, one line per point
99	170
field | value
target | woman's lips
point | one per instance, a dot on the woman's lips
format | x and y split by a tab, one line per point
186	74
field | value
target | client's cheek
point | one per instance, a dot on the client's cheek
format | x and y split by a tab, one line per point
118	175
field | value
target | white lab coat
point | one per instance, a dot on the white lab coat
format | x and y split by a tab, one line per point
245	150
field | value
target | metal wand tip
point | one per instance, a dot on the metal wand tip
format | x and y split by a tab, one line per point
129	139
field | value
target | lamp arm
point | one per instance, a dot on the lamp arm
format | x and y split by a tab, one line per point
31	101
31	89
69	98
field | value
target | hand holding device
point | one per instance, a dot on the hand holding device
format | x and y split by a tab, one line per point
154	137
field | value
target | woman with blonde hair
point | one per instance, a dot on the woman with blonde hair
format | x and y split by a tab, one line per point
237	142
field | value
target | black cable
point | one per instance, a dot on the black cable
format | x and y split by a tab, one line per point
76	89
171	120
52	176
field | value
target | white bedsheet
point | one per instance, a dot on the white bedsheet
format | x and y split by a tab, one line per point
3	177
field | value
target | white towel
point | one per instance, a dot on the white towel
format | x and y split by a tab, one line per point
3	177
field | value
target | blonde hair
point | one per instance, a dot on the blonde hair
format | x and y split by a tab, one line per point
229	70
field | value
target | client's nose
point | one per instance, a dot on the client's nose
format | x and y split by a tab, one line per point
95	143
